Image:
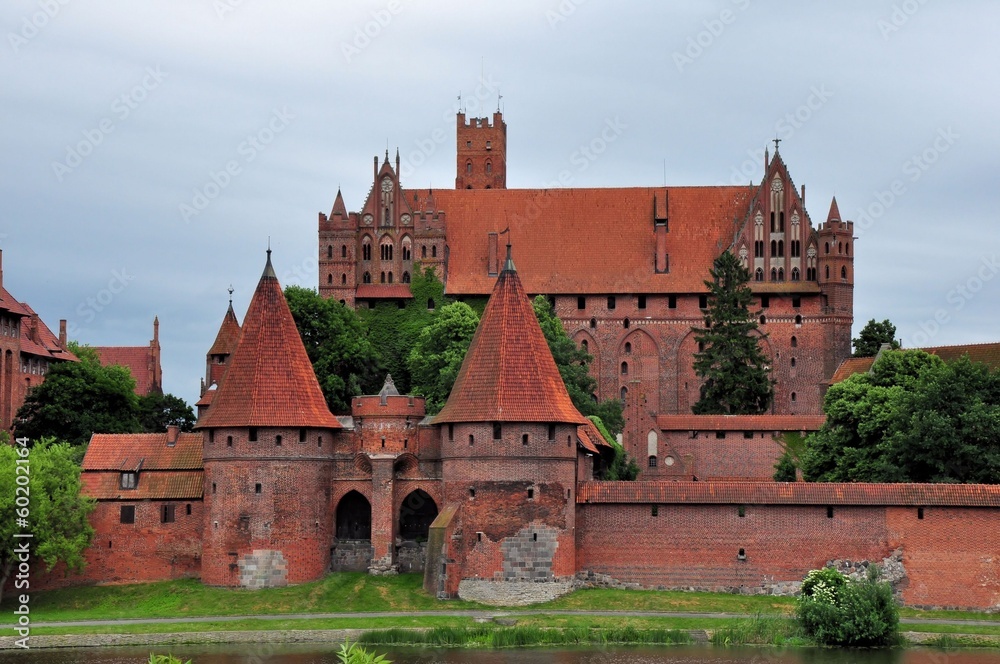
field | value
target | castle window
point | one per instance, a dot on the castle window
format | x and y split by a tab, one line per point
774	247
829	512
406	277
252	435
489	165
826	247
277	441
772	223
840	247
531	496
847	248
701	346
641	302
742	555
257	487
702	301
793	397
584	345
167	514
624	368
763	320
798	320
187	509
343	251
827	271
211	435
423	251
793	362
666	262
810	274
382	278
758	249
329	278
758	275
472	439
468	144
430	304
366	249
671	301
748	435
213	487
451	432
468	168
765	301
624	395
497	431
489	145
781	222
367	278
127	514
781	274
611	302
552	432
129	480
920	512
626	323
843	272
628	348
774	274
781	248
343	279
795	277
741	511
655	511
329	251
524	439
434	252
651	462
472	492
390	276
720	435
593	323
581	302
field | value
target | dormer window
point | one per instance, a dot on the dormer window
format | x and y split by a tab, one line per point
129	480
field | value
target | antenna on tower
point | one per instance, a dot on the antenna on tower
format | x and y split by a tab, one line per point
460	109
499	97
230	294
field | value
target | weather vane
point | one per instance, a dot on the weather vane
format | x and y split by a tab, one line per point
776	141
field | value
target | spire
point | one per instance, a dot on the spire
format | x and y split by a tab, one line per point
508	265
270	381
156	328
834	211
508	373
338	205
229	331
268	268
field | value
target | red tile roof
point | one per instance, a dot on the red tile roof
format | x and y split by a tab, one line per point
789	493
988	354
563	237
851	366
270	381
208	396
508	374
229	334
8	303
383	292
137	359
170	485
591	439
46	343
740	422
130	451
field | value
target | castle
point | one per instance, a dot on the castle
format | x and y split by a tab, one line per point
494	498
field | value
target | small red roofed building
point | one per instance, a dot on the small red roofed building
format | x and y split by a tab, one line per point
27	349
142	361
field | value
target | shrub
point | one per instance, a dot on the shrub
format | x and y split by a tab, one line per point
839	612
352	653
165	659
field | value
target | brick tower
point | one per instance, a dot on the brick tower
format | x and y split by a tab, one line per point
268	449
508	453
482	153
217	358
836	281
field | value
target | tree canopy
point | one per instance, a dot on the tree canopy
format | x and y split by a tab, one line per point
55	513
914	418
872	336
574	366
736	372
437	355
158	411
337	343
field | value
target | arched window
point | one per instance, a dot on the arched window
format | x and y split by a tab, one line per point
827	271
774	274
826	247
343	279
584	345
385	249
405	246
795	274
763	320
628	348
354	517
624	368
795	342
423	251
381	278
434	252
793	396
430	304
772	222
652	462
758	249
781	222
593	323
406	277
847	248
468	168
798	321
329	279
329	251
774	247
366	249
390	276
840	247
781	274
781	248
624	394
758	275
343	251
367	278
810	274
626	323
489	167
793	363
843	272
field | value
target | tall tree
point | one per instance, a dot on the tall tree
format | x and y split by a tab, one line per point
157	411
872	336
55	514
574	366
437	356
736	372
78	399
336	341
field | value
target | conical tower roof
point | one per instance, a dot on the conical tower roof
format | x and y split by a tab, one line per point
508	374
229	334
270	381
834	211
338	205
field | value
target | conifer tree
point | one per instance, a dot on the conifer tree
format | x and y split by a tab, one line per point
736	372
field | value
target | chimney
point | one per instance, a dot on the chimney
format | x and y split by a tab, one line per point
62	333
172	432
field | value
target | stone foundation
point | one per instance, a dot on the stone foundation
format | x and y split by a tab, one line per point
512	593
411	556
351	556
263	569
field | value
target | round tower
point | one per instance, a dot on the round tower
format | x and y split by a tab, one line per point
509	455
267	449
836	282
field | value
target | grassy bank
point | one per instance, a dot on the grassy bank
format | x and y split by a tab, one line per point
521	636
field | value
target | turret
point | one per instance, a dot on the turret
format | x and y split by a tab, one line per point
836	281
482	153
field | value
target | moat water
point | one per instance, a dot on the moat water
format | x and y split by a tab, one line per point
313	654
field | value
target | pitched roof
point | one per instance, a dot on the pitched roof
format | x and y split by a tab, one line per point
851	366
563	236
383	292
10	304
229	334
591	439
137	359
170	485
988	354
789	493
508	374
208	396
148	451
46	343
270	381
740	422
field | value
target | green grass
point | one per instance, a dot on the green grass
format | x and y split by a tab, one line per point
522	636
604	599
906	612
759	629
337	593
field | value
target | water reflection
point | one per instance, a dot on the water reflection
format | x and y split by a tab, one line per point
318	654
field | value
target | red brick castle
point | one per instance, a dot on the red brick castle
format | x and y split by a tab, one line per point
494	498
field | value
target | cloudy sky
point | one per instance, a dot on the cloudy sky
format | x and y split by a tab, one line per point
149	149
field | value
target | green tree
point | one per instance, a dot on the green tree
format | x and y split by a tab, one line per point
872	336
736	372
56	513
621	467
78	399
574	366
913	418
157	411
437	356
793	446
336	340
